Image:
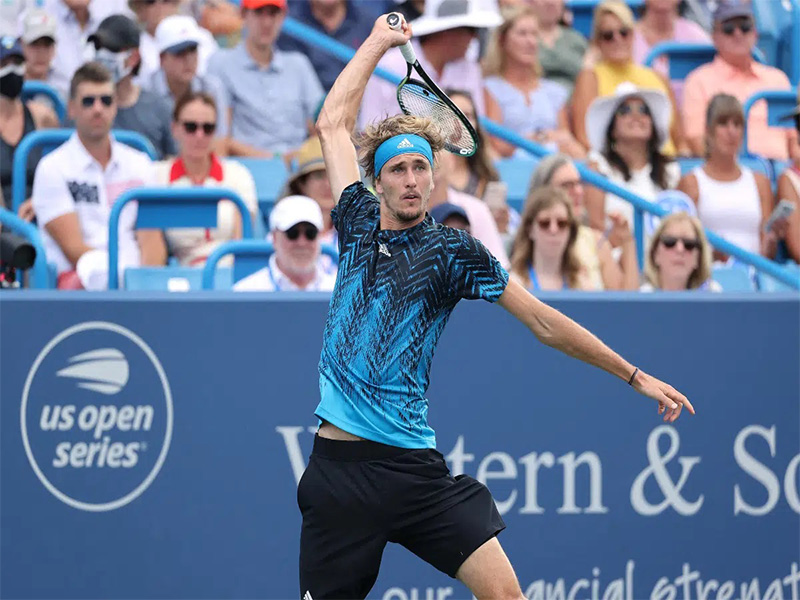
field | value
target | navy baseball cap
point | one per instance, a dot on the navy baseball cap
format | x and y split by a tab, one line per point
442	212
116	33
732	9
10	46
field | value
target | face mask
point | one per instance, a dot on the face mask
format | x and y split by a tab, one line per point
115	63
11	80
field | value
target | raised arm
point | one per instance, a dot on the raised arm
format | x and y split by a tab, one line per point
562	333
337	119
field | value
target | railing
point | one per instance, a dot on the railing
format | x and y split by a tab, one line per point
344	52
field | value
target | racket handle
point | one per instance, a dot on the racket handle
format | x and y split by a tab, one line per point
395	21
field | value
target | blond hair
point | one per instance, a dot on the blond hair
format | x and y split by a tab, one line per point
703	271
616	8
494	61
522	251
374	135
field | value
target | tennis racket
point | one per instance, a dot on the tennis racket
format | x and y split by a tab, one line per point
425	99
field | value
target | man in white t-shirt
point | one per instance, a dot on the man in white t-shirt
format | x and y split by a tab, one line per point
76	185
296	265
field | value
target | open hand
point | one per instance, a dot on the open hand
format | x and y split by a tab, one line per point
670	401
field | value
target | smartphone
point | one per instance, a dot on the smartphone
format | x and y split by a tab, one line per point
783	210
495	195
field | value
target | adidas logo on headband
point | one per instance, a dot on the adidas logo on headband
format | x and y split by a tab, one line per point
405	144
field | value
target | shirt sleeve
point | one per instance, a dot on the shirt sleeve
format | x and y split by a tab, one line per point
476	274
50	196
357	210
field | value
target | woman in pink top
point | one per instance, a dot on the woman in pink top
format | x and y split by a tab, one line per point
661	22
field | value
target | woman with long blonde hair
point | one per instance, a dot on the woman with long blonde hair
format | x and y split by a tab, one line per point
543	256
515	93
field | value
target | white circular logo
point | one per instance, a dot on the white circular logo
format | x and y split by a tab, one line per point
96	416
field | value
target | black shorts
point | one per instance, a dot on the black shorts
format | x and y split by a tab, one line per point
357	496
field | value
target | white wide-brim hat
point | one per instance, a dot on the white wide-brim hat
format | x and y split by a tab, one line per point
601	112
441	15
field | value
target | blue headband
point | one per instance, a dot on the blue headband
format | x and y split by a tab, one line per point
401	144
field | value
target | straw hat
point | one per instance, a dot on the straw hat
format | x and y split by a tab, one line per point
309	159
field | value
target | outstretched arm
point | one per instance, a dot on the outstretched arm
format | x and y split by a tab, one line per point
338	115
562	333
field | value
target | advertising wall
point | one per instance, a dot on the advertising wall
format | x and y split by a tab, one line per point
150	447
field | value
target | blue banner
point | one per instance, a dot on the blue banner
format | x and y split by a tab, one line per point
150	447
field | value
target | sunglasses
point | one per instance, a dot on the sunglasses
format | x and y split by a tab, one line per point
626	109
671	241
730	28
105	99
546	224
610	34
294	232
191	127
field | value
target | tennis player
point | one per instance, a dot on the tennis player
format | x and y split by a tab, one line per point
374	475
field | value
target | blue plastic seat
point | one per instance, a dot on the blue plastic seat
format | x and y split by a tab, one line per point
770	284
685	57
516	173
734	278
583	13
270	175
779	104
173	279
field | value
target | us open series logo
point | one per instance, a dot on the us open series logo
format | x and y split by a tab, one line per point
96	416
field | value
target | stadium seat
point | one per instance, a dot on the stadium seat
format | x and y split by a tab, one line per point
49	139
31	89
172	279
734	278
583	13
516	173
270	176
171	207
685	57
779	104
770	284
248	257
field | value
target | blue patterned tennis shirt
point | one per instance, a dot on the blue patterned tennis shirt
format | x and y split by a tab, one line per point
394	293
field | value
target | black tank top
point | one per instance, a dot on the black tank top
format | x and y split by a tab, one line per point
7	160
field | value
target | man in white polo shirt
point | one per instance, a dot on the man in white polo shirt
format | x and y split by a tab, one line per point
296	265
76	185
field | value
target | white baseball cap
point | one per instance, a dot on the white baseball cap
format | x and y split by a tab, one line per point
177	33
38	24
292	210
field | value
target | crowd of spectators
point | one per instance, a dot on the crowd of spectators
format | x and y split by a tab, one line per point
206	81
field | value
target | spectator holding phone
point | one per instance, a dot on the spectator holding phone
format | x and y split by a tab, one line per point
679	257
732	200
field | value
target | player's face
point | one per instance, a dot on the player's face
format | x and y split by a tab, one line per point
405	185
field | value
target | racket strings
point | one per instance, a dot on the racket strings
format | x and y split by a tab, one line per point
416	99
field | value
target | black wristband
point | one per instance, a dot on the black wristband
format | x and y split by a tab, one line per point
630	381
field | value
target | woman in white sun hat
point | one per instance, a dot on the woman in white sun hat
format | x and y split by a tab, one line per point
626	131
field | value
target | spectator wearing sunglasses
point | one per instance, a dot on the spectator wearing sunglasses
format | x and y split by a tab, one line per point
77	184
612	36
660	22
732	200
116	44
194	125
679	257
733	71
626	131
593	247
544	256
296	264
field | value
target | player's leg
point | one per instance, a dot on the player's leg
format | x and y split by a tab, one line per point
488	573
343	533
452	523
